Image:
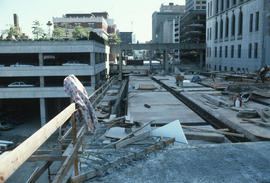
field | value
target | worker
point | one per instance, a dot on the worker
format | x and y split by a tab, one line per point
262	73
179	80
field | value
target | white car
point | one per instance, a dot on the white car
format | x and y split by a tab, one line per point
19	84
20	65
73	63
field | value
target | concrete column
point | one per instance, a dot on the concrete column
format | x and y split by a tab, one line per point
201	60
120	65
92	59
41	63
40	59
42	111
93	81
166	63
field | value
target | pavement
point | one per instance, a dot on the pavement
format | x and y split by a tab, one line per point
222	163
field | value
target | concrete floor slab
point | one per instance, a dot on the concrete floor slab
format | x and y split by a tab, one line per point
226	163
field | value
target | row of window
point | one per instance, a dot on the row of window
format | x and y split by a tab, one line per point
221	5
232	48
66	25
244	70
219	26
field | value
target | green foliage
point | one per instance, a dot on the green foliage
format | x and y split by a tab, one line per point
114	39
79	33
37	30
58	33
12	33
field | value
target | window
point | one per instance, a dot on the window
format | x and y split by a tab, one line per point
240	23
231	68
222	5
217	6
250	50
228	4
239	50
233	25
219	68
256	50
221	29
257	21
227	27
226	51
215	51
234	2
220	52
225	68
210	34
208	10
216	33
250	22
232	51
211	8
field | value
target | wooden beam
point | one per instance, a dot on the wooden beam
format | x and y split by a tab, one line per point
46	158
213	131
69	160
129	135
205	137
138	137
12	160
37	173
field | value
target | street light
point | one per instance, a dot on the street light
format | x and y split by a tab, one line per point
49	24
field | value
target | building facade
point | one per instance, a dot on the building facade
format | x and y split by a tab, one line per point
195	5
98	22
163	22
238	35
42	67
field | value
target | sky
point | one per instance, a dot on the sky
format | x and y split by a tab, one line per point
129	15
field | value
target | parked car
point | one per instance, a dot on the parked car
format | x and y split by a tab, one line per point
21	65
2	65
19	84
73	63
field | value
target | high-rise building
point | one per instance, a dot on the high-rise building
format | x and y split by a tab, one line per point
238	35
195	5
162	22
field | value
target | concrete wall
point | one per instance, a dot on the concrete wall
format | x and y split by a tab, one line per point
36	92
52	47
51	70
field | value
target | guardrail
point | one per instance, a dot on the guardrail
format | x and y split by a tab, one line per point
12	160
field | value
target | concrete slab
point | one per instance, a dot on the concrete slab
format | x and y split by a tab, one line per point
243	162
229	117
164	106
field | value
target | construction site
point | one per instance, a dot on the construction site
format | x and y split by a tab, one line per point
192	105
153	126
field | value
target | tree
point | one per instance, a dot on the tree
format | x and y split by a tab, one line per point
37	29
12	33
79	33
114	39
58	32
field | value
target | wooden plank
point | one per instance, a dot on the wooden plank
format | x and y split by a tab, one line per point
69	160
36	174
133	139
213	131
130	134
93	173
46	158
14	159
205	137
